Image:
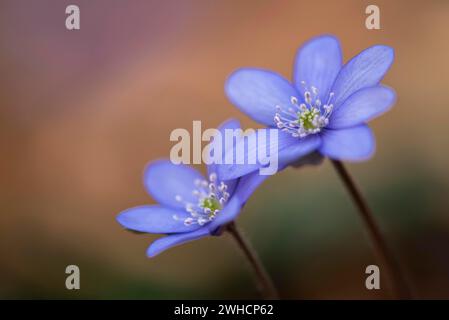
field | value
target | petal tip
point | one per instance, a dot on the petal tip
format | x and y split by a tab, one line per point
231	123
150	166
122	218
119	219
152	252
388	51
323	37
319	40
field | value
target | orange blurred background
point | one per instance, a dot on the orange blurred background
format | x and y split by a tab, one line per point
82	112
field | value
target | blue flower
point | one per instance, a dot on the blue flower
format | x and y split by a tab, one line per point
191	206
324	109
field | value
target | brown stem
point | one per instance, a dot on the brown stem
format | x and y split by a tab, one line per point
397	282
265	284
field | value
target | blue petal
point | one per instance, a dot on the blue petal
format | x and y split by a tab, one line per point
257	92
230	124
167	242
165	180
299	149
288	150
228	214
351	144
155	219
362	106
364	70
317	63
245	188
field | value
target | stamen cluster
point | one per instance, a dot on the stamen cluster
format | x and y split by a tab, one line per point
211	195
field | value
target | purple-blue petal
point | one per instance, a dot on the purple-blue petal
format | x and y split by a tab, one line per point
257	92
155	219
231	124
219	143
248	184
300	148
165	180
317	63
170	241
362	106
288	149
227	214
350	144
245	188
364	70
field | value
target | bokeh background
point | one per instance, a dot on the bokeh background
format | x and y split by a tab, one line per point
82	112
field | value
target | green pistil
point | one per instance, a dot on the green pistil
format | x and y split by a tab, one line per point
306	118
212	204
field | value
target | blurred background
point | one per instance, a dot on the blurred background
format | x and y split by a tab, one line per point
82	112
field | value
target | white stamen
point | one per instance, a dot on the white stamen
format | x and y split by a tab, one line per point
308	97
211	195
294	100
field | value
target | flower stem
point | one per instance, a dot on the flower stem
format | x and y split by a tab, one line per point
265	284
397	281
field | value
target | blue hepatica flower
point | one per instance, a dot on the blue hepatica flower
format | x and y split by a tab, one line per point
324	109
191	206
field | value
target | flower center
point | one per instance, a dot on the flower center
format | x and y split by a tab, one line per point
308	117
211	199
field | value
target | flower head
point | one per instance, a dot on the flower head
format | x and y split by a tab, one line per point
324	109
191	206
